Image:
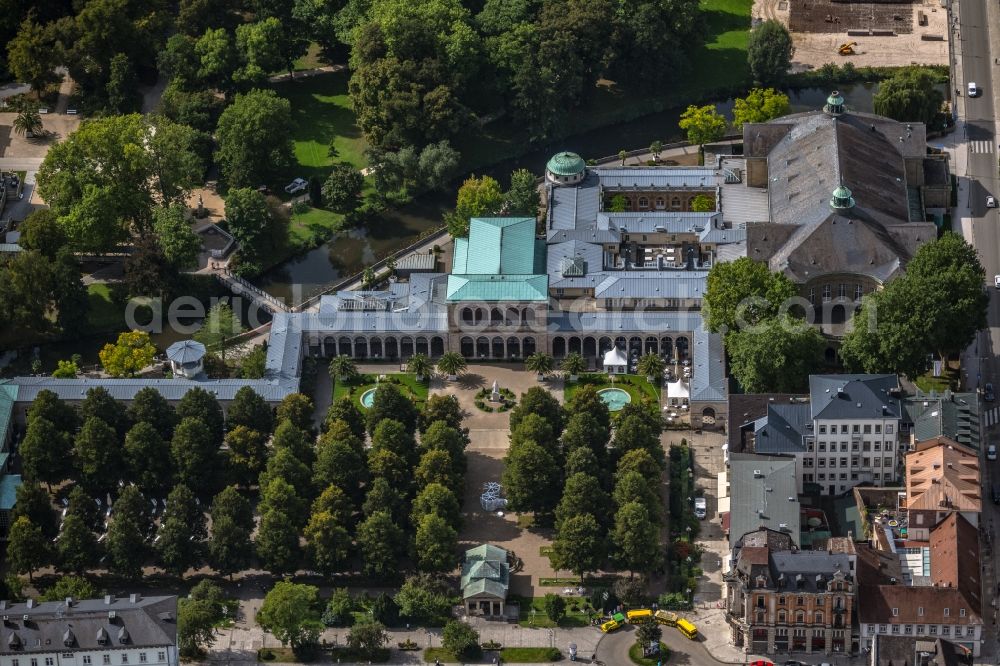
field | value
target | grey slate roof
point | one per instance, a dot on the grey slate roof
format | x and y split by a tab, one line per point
593	262
708	373
762	500
652	284
272	390
811	154
782	429
186	351
854	397
657	177
53	626
954	415
812	565
613	323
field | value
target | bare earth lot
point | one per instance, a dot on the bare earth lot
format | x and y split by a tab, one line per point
816	39
57	126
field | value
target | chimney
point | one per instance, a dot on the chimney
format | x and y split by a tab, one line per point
134	598
109	599
69	602
30	603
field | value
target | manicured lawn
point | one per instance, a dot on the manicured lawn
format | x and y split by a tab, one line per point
103	314
635	654
574	618
439	653
638	387
722	61
322	113
407	382
530	655
315	226
948	379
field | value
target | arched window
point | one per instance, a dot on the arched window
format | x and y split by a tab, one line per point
800	617
819	617
675	203
660	204
781	617
643	203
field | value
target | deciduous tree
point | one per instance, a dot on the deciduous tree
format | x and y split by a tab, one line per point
759	106
703	124
26	547
254	139
131	353
769	52
579	545
291	612
775	356
148	459
380	541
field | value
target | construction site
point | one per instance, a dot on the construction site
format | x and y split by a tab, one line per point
862	33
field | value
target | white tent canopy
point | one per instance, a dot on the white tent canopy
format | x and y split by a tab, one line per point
615	361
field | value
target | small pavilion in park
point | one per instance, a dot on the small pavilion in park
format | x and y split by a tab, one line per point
187	358
485	580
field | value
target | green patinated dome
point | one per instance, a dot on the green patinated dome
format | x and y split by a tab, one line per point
566	164
835	99
842	198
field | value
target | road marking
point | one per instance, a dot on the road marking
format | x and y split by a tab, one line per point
992	417
981	147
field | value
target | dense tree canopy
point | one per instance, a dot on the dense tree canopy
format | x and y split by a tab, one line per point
254	138
104	179
936	307
911	94
769	51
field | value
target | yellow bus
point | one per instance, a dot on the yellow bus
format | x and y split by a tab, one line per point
686	628
639	616
665	617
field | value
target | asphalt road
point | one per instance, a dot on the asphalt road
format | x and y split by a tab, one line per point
980	48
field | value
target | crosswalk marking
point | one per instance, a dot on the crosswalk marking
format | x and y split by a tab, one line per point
992	417
981	146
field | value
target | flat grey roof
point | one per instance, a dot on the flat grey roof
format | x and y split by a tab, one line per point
760	488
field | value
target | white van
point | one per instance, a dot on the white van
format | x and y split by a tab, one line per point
700	508
973	89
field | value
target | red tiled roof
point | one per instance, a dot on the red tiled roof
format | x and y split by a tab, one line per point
876	603
955	557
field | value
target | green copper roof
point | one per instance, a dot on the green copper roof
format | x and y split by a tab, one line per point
8	394
835	99
566	164
485	571
496	245
9	484
842	198
495	288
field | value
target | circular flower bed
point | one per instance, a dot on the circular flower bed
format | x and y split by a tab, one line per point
507	400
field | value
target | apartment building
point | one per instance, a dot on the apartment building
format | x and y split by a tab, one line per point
133	631
845	434
942	478
948	603
782	599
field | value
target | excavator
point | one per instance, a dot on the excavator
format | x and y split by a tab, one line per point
847	48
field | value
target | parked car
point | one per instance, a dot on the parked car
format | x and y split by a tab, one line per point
991	202
991	452
973	89
996	493
700	508
297	185
996	281
988	394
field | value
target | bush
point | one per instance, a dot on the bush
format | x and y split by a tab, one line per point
461	640
339	609
300	207
555	607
